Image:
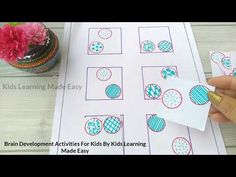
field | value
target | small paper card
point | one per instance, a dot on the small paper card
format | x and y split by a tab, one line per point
186	102
223	63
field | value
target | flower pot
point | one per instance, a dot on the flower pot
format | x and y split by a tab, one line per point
40	58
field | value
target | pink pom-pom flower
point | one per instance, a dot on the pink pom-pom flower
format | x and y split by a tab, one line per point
13	43
36	33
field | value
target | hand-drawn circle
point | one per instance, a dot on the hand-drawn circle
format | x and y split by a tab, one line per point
217	56
165	46
93	126
103	74
105	33
112	124
172	98
198	95
181	146
148	46
156	123
153	91
226	62
96	47
113	91
234	72
168	72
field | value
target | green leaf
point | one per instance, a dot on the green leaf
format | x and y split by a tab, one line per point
15	23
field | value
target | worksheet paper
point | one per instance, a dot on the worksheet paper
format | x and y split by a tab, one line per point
223	63
116	76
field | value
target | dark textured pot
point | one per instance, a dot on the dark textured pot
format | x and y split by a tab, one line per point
40	58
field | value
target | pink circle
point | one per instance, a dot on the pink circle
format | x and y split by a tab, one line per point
219	53
105	33
103	77
181	146
172	98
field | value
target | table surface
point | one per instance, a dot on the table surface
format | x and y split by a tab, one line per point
27	115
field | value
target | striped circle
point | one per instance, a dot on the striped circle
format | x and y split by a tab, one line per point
165	46
112	125
113	91
198	95
156	123
153	91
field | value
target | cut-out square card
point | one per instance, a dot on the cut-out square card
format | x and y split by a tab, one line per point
186	102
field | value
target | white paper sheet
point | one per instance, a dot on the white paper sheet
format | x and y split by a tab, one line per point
115	64
182	97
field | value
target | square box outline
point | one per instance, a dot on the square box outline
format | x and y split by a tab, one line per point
140	49
149	141
121	51
122	127
104	99
160	74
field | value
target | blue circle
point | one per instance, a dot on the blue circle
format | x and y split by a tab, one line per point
156	123
113	91
93	126
148	46
234	73
153	91
96	47
168	72
165	46
226	62
112	125
198	95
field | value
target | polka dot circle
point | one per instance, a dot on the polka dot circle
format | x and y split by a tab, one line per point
172	98
181	146
105	33
96	47
104	74
217	56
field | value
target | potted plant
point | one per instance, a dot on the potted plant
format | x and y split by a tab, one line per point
30	47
